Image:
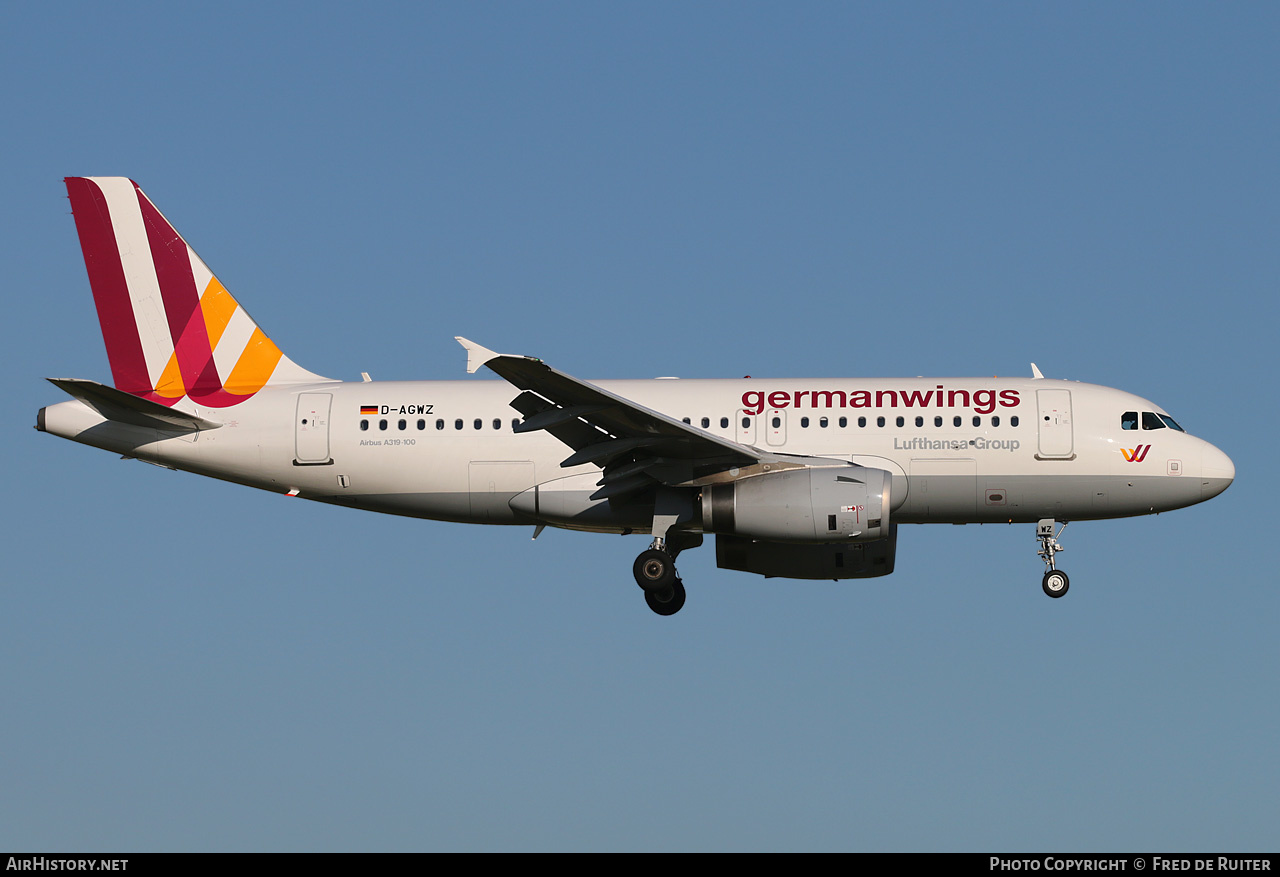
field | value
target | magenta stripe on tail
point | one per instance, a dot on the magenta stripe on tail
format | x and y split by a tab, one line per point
110	291
181	300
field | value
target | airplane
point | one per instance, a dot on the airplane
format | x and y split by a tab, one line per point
795	478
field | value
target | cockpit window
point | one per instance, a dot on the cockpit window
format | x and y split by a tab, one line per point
1151	420
1129	420
1171	423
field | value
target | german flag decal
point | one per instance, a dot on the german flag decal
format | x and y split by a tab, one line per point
368	409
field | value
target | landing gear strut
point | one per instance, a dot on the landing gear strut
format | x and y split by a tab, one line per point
1055	582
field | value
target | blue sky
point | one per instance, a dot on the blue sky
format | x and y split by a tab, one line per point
631	190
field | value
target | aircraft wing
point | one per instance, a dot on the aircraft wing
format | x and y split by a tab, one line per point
636	446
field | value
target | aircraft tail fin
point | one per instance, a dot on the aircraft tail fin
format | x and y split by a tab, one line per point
172	331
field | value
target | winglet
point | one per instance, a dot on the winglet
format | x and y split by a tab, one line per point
1035	373
476	355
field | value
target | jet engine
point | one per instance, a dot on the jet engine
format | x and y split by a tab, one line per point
815	505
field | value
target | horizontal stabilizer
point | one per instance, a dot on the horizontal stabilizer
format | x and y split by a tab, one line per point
123	407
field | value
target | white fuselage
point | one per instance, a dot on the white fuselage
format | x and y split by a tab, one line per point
960	450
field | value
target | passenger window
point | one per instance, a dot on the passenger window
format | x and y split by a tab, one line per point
823	423
746	423
497	423
402	424
1129	420
706	421
364	425
804	423
919	420
382	424
995	421
862	422
956	421
422	424
1151	421
688	421
879	421
777	422
900	421
515	421
844	421
1013	421
977	421
478	423
937	421
724	423
457	424
440	423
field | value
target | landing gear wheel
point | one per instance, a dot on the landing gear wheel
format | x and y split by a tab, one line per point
667	601
654	571
1055	583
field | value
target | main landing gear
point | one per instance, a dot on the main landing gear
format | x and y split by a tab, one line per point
655	568
1055	582
655	572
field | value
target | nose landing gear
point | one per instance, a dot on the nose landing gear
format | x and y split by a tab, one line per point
1055	581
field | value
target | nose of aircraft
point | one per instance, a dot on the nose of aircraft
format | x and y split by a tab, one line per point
1216	471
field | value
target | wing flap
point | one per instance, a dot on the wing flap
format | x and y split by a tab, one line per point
550	417
624	487
600	452
573	432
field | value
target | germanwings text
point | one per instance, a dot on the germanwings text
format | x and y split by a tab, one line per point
981	401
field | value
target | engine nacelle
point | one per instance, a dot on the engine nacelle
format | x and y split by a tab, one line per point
832	504
857	560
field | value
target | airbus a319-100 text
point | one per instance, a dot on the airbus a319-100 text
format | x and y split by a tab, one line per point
805	479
